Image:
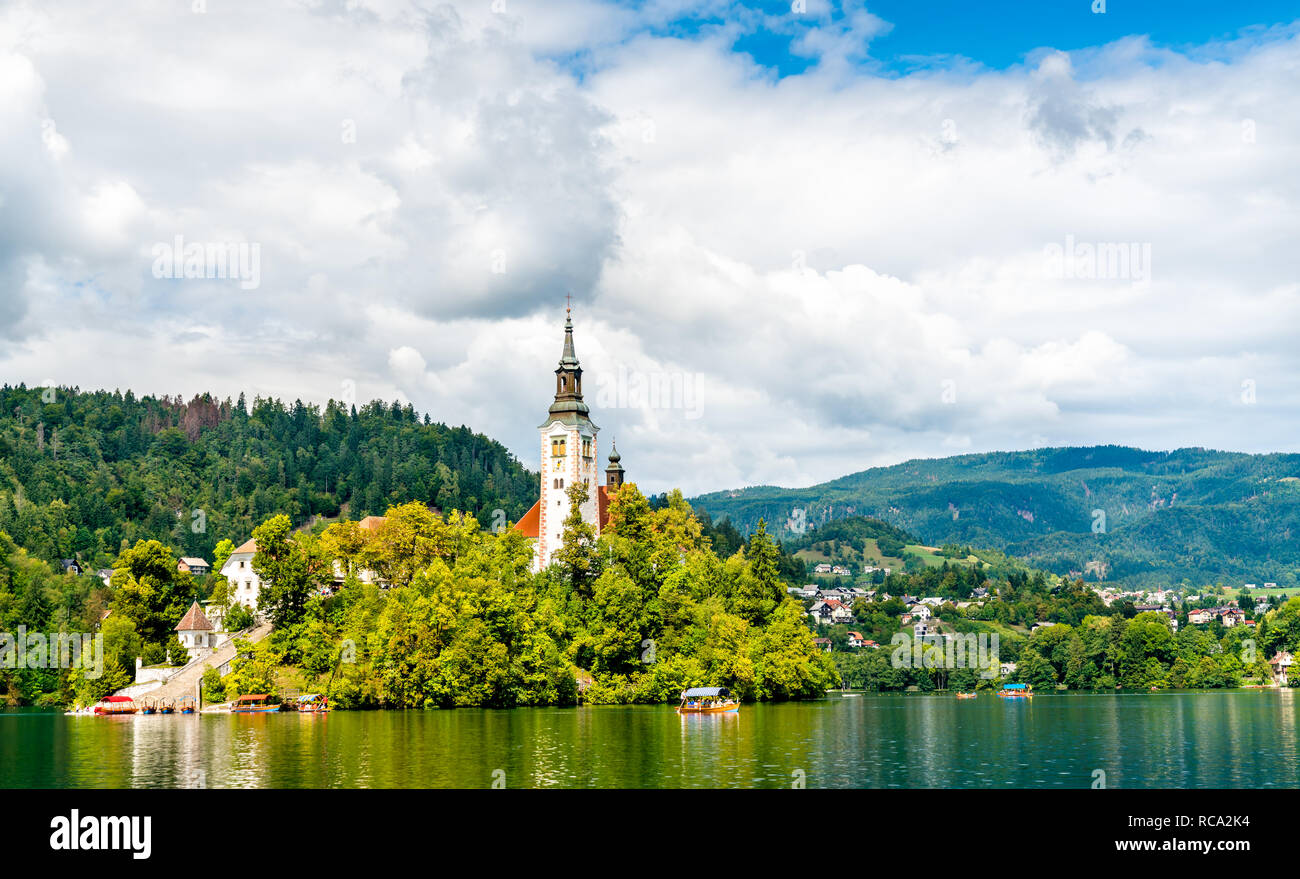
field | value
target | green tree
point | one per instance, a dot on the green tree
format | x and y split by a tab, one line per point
289	569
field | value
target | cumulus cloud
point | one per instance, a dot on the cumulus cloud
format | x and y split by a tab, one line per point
775	279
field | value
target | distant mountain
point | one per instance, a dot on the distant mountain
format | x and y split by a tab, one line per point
1108	512
83	474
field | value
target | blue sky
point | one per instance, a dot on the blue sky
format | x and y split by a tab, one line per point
993	33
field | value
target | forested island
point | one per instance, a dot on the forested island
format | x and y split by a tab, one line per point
438	606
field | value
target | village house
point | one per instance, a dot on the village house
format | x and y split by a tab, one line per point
1231	616
840	571
923	628
823	644
824	610
919	611
1200	616
190	565
1281	664
822	569
856	640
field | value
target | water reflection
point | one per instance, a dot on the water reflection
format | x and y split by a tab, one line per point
1210	739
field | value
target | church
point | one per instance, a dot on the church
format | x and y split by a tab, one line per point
568	454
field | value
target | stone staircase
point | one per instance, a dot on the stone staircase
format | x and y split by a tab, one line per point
185	680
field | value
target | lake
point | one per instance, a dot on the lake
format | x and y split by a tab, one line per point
1244	738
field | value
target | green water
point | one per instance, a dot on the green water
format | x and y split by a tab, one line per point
1210	739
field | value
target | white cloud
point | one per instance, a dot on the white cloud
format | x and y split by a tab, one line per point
837	269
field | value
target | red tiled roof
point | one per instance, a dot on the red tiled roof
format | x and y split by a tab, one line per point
371	523
531	523
602	505
249	545
194	621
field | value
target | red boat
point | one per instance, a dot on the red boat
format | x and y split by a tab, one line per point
253	703
114	705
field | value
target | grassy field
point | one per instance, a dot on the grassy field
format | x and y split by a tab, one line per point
930	555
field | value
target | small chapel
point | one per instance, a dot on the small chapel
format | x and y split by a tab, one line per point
569	454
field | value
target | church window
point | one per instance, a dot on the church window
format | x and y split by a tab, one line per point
557	446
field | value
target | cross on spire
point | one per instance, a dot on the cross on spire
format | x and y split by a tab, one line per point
568	302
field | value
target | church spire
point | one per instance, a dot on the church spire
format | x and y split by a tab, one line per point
568	405
567	357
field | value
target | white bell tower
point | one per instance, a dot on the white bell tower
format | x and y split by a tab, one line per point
568	453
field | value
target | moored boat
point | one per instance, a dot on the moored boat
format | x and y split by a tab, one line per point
1015	691
253	703
111	706
186	706
166	706
148	706
967	695
707	700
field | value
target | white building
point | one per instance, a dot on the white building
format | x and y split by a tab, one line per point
245	585
197	634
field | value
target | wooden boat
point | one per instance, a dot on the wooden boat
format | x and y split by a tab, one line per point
186	706
111	706
967	695
707	700
313	703
1015	691
148	706
253	703
166	706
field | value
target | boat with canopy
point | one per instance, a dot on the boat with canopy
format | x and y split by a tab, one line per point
254	703
707	700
